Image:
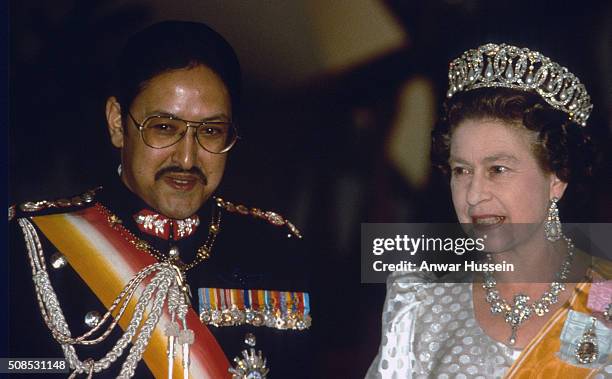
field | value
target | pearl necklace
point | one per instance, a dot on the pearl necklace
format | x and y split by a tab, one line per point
520	311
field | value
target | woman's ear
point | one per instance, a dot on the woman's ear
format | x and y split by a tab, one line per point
557	187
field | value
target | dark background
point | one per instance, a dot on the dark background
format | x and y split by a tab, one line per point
316	122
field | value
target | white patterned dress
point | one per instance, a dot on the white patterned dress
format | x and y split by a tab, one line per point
429	331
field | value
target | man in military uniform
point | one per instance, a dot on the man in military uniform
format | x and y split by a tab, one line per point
152	275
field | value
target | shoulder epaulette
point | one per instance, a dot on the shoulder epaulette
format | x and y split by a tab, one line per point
271	217
11	212
30	207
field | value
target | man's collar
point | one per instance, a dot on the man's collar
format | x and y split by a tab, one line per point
139	217
158	225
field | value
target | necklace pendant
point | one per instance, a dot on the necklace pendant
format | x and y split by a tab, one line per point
519	311
512	339
588	349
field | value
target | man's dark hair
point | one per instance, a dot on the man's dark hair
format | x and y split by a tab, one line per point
172	45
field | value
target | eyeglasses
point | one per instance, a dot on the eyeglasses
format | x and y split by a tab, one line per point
160	132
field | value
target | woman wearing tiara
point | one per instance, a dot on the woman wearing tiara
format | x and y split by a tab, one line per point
514	138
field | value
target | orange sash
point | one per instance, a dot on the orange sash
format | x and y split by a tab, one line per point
106	262
539	359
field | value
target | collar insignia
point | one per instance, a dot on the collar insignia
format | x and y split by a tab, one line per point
161	226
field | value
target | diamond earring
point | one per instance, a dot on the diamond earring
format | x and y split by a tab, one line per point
119	169
552	226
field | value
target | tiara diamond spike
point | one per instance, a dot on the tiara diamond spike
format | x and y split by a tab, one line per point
493	65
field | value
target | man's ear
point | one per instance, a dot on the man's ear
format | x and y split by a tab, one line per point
557	187
114	122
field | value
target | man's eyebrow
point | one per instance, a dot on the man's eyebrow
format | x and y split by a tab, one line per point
159	113
221	116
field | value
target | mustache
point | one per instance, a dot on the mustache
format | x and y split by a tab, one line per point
195	171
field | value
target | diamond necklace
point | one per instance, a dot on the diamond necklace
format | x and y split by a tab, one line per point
520	311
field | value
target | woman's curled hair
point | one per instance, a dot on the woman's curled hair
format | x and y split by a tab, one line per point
563	146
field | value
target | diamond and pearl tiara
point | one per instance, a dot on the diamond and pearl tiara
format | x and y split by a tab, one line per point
509	66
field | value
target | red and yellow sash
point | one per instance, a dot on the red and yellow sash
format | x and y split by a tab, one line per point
539	359
106	261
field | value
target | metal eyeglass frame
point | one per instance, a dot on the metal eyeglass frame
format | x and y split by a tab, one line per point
190	124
